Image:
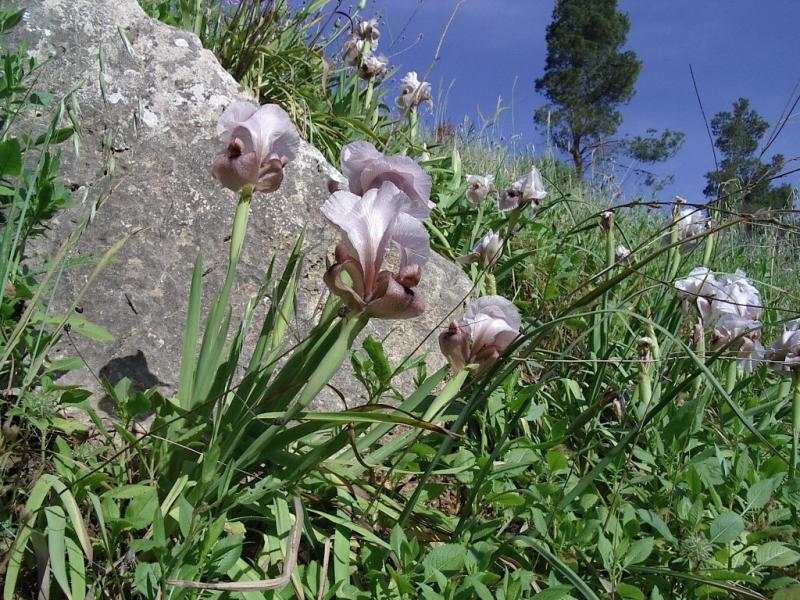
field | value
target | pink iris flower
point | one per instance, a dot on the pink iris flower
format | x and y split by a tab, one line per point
371	224
489	326
260	142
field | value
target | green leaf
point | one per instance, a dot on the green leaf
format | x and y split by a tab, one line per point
9	18
472	582
639	551
57	136
87	329
37	496
341	556
775	554
226	553
57	546
146	579
77	570
447	558
726	527
788	593
508	499
553	593
143	502
558	564
606	551
191	332
402	582
657	523
759	494
78	524
628	591
380	364
10	157
557	460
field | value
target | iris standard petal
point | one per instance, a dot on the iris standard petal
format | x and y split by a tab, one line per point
495	305
269	131
234	115
354	159
366	168
411	239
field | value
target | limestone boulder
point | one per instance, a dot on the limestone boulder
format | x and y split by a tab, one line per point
149	97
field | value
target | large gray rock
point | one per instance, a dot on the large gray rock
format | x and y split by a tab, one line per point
152	108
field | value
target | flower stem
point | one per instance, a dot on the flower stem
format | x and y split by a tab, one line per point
239	229
601	331
675	254
512	222
413	119
370	91
795	421
708	249
731	375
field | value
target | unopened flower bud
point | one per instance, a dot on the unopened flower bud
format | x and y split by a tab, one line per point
607	220
454	344
486	251
368	30
479	188
645	346
622	254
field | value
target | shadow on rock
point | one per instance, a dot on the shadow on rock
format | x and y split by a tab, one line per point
135	368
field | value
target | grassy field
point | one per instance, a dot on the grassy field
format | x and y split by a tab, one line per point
619	447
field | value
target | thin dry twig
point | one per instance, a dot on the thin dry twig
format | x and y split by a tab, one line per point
323	573
705	119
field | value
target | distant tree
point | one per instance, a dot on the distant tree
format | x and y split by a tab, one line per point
655	146
587	75
741	174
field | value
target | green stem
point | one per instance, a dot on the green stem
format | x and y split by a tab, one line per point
370	91
675	254
645	384
795	421
512	222
413	119
239	230
731	375
198	18
700	351
602	330
708	249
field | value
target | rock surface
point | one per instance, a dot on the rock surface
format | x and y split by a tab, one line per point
150	106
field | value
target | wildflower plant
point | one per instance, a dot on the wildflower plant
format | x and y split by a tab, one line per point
610	420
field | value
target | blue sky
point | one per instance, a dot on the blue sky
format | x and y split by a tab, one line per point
737	48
